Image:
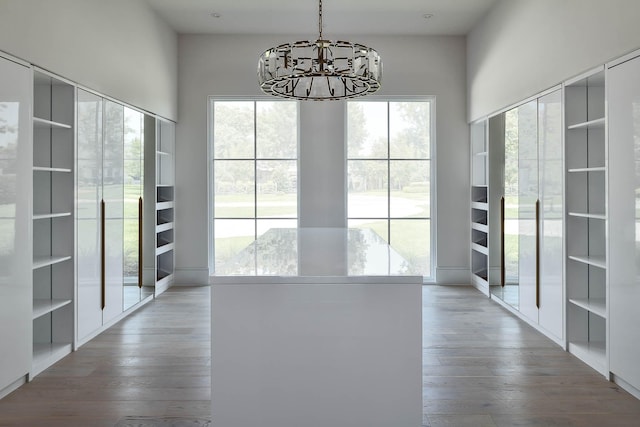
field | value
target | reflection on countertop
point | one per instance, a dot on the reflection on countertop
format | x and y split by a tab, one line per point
317	251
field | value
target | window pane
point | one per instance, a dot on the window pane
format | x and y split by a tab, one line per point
367	130
264	225
368	189
232	236
411	238
276	182
233	130
277	132
378	226
234	187
410	188
409	130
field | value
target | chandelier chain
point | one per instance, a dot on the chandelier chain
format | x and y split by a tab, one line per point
320	18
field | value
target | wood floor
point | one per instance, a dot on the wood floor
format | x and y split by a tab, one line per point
482	367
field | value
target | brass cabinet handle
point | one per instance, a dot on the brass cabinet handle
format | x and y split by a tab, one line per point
538	253
502	267
140	242
102	256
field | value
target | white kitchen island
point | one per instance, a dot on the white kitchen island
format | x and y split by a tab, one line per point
317	327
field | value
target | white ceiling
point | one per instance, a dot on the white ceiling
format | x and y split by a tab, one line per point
373	17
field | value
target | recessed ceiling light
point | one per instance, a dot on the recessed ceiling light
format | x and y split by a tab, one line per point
215	15
427	15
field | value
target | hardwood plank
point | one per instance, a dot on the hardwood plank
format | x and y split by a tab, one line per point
481	366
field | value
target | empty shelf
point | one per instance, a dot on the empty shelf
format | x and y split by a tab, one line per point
596	306
39	262
44	306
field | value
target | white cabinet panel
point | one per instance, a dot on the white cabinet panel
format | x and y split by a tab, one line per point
100	211
527	184
133	189
525	198
113	195
89	194
551	212
624	200
15	220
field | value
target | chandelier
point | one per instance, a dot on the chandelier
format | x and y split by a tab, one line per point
319	70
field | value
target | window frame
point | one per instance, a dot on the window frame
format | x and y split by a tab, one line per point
432	160
211	100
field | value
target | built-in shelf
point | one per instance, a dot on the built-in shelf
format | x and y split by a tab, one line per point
596	261
588	215
39	262
592	353
49	169
479	248
46	354
591	124
481	153
480	227
482	274
53	288
164	275
164	227
51	215
480	205
48	124
164	248
592	169
586	155
164	205
44	306
596	306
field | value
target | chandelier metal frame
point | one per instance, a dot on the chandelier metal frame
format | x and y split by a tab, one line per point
320	70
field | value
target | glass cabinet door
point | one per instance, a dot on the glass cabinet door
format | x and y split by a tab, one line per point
528	208
133	191
113	192
88	217
551	173
513	183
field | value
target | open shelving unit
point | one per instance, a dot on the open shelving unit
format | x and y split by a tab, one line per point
53	220
165	206
479	208
586	219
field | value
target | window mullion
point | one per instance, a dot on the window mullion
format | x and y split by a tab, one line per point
388	173
255	169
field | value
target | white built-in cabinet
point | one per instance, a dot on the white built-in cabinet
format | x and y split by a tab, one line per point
160	193
53	219
525	209
165	204
74	202
479	207
110	181
623	103
549	294
88	214
15	224
134	290
586	219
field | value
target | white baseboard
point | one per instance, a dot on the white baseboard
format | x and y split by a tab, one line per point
453	276
191	276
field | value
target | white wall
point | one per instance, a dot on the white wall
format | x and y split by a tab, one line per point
117	47
525	46
225	65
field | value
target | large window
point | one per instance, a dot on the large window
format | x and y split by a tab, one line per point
255	151
389	175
